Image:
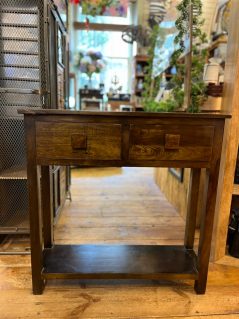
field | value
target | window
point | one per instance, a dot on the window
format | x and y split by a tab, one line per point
117	55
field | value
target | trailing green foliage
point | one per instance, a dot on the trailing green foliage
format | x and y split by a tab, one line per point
149	90
199	55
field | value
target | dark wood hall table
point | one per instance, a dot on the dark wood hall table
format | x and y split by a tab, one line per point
119	139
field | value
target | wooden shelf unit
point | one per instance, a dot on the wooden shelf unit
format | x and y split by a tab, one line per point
120	262
140	63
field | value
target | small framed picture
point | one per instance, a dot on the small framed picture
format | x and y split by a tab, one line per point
177	172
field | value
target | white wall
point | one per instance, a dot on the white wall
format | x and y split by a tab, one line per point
209	9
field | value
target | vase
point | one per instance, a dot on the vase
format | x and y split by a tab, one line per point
90	86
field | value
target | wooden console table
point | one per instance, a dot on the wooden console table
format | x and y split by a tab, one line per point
121	139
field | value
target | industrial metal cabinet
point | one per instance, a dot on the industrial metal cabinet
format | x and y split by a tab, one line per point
27	59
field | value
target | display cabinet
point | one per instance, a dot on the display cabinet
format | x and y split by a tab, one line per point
29	50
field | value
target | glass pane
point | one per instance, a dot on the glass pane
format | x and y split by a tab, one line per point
116	55
114	76
109	43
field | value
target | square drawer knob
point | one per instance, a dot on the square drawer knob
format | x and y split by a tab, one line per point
172	141
79	142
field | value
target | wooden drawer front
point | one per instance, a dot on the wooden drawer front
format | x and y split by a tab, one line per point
161	142
86	141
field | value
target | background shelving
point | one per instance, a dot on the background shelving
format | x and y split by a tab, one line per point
140	70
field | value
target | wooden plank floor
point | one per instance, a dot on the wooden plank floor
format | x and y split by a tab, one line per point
117	206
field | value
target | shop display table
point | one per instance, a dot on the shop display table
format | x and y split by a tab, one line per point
121	139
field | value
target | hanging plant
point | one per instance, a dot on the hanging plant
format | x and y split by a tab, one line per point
199	54
151	86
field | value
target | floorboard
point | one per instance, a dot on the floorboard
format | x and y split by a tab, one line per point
113	205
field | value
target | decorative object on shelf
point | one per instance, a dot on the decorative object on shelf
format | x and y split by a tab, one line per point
102	88
157	11
139	69
90	62
214	77
119	97
140	73
212	71
93	8
116	89
126	108
140	85
137	34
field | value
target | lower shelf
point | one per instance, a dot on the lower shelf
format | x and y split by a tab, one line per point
119	262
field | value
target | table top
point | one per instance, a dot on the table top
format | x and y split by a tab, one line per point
125	114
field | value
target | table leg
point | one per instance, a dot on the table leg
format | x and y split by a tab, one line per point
206	230
192	208
47	206
35	230
34	208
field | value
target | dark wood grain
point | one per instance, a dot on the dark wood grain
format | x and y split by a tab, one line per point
208	217
117	139
151	142
47	205
119	262
144	115
172	141
193	134
55	141
192	208
157	152
34	207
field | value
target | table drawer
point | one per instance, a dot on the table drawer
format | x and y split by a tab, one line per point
86	141
175	143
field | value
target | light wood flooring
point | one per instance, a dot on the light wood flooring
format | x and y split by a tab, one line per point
114	205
